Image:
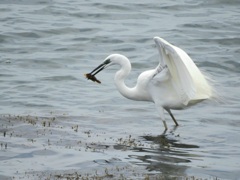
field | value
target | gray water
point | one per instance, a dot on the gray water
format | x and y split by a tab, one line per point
55	122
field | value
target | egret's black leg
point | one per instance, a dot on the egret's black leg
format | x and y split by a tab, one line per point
160	110
170	113
165	125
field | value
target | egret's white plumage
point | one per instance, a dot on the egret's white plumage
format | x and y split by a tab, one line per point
175	83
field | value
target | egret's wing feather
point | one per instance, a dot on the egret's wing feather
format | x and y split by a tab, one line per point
185	76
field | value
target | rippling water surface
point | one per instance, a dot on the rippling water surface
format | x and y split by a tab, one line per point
54	122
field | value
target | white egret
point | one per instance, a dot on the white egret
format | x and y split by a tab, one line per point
176	83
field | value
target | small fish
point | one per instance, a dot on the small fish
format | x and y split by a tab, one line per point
92	77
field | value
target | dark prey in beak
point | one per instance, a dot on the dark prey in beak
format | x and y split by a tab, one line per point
92	77
92	74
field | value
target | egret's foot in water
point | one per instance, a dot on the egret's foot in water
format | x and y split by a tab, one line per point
166	128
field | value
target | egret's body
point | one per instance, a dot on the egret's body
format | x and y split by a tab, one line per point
175	83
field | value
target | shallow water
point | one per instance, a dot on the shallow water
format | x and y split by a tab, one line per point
53	121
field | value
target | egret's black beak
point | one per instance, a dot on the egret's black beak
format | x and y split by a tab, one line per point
98	69
92	74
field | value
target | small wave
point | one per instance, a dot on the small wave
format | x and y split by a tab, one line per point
59	78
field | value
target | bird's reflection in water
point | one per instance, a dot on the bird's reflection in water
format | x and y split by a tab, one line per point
167	155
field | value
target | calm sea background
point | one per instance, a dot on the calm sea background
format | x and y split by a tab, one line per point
47	46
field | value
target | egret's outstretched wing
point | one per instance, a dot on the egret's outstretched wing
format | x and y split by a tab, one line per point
187	79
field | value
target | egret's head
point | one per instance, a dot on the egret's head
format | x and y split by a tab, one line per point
107	62
110	60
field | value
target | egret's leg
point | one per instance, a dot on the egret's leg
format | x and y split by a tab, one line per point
165	124
161	113
170	113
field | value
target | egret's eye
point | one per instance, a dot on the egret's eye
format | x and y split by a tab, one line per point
107	61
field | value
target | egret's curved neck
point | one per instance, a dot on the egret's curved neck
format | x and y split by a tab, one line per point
120	76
